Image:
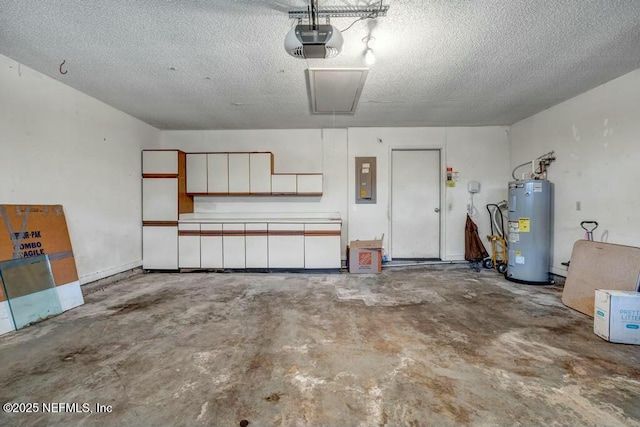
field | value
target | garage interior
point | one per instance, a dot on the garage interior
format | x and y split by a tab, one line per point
422	119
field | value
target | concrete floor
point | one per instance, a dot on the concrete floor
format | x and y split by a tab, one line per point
407	347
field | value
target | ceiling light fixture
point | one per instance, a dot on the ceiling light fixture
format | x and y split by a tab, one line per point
369	57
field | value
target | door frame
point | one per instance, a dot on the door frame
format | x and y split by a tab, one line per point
442	217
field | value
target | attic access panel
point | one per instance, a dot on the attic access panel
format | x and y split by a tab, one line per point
335	90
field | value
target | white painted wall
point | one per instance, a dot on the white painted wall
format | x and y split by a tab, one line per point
596	138
60	146
477	153
295	150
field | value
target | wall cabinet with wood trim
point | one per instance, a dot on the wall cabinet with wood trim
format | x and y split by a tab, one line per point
245	174
196	173
310	184
218	173
260	169
155	162
239	173
284	184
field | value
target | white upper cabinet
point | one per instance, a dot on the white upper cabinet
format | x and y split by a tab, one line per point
310	184
232	174
260	173
239	173
159	162
196	173
283	184
218	173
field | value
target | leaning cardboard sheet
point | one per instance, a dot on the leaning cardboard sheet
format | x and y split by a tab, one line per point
32	231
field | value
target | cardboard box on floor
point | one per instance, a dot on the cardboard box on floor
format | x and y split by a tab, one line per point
617	316
29	231
365	256
32	230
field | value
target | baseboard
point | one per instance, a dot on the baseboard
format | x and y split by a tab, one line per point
453	258
560	271
89	278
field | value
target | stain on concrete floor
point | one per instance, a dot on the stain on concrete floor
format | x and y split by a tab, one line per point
406	347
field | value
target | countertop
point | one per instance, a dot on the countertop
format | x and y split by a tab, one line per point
262	217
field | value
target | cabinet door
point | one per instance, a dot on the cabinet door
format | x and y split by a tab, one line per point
160	199
260	173
322	246
218	173
233	245
196	173
239	173
189	245
160	248
286	245
310	184
283	184
256	246
211	246
159	162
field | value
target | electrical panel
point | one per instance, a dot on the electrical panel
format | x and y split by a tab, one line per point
365	180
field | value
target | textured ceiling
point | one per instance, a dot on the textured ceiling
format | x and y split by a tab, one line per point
220	64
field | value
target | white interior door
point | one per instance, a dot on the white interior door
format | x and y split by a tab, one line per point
415	204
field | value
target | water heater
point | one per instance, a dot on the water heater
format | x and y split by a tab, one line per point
530	208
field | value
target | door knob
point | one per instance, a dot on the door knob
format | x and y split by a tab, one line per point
436	210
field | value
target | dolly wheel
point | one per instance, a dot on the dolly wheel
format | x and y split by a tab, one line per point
502	268
487	263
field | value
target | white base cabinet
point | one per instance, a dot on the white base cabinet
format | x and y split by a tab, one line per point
257	246
286	245
245	244
189	245
160	248
211	246
322	246
233	247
